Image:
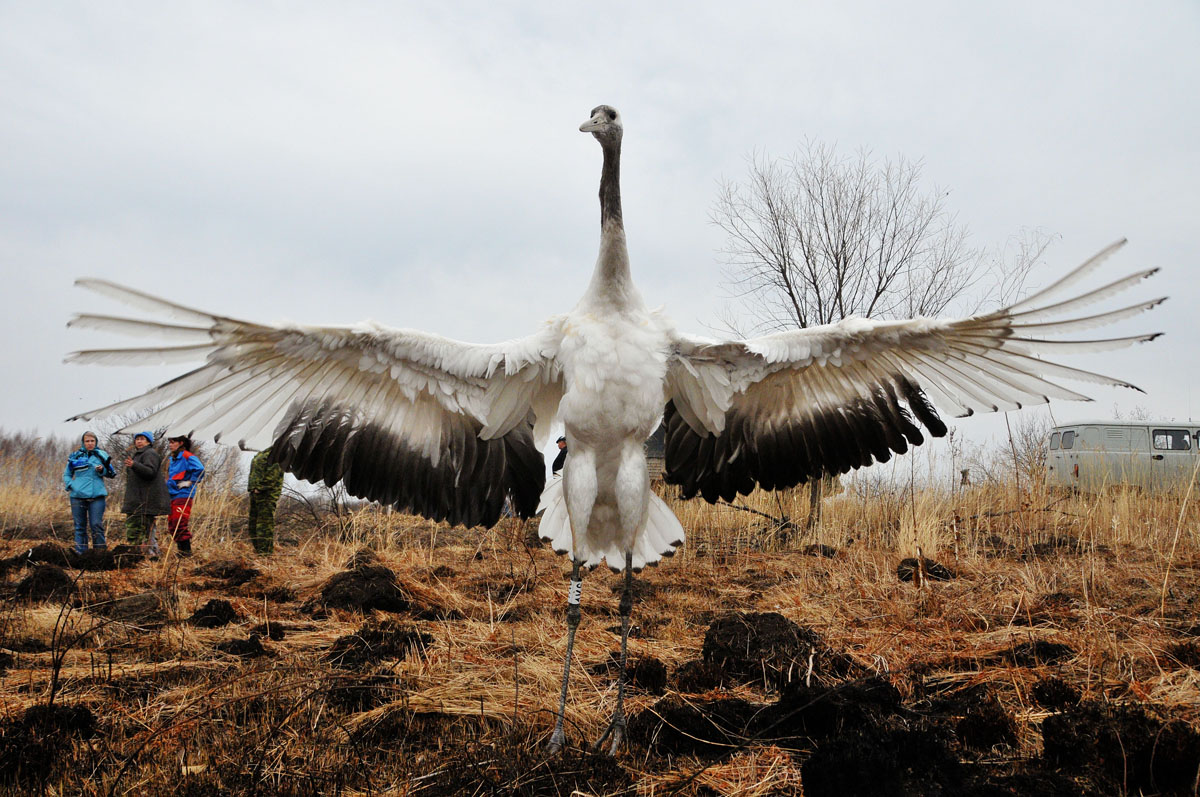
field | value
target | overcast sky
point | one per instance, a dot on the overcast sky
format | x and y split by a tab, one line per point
421	165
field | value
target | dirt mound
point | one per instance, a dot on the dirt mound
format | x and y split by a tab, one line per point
46	582
76	721
214	614
644	672
373	643
364	589
820	712
244	648
649	674
361	558
513	614
908	570
113	558
767	647
26	644
800	716
883	762
32	747
47	553
1186	653
234	572
1130	749
354	693
1187	628
986	725
1055	693
860	738
279	594
864	741
144	609
695	727
697	676
1038	652
271	629
93	559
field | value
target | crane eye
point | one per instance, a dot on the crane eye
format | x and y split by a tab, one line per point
612	115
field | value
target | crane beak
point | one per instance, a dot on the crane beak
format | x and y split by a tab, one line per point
594	124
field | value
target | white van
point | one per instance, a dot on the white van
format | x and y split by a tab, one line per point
1091	454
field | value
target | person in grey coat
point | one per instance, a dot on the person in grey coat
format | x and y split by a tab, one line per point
145	493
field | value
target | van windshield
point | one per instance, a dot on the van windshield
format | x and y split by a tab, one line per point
1068	440
1054	441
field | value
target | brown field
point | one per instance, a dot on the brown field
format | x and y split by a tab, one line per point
1062	657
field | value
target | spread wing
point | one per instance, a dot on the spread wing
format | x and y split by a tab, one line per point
779	410
430	425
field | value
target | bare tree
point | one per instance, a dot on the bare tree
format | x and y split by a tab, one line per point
816	237
1022	460
1135	413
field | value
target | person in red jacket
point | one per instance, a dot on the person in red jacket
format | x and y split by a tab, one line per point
184	472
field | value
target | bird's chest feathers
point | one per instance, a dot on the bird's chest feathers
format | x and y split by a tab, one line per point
620	352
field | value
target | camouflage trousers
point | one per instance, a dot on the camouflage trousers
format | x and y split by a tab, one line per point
139	530
261	525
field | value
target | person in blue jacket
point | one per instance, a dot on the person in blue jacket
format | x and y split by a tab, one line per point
184	472
83	478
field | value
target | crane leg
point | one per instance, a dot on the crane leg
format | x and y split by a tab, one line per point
615	733
558	738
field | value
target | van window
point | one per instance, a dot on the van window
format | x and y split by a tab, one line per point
1172	440
1054	441
1068	440
1091	437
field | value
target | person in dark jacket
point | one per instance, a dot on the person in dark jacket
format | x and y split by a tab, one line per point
83	479
145	493
184	472
265	486
561	458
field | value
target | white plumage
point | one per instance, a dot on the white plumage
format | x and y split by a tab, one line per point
449	429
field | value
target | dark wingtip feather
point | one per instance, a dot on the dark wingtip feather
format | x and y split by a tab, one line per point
320	442
920	406
794	450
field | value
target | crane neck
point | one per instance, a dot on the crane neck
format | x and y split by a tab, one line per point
612	285
610	185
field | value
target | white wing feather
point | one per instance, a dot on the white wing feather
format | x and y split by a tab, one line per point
339	364
985	363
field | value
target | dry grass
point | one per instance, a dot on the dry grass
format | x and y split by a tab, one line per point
1114	577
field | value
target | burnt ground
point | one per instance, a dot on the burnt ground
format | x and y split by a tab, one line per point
214	614
435	671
